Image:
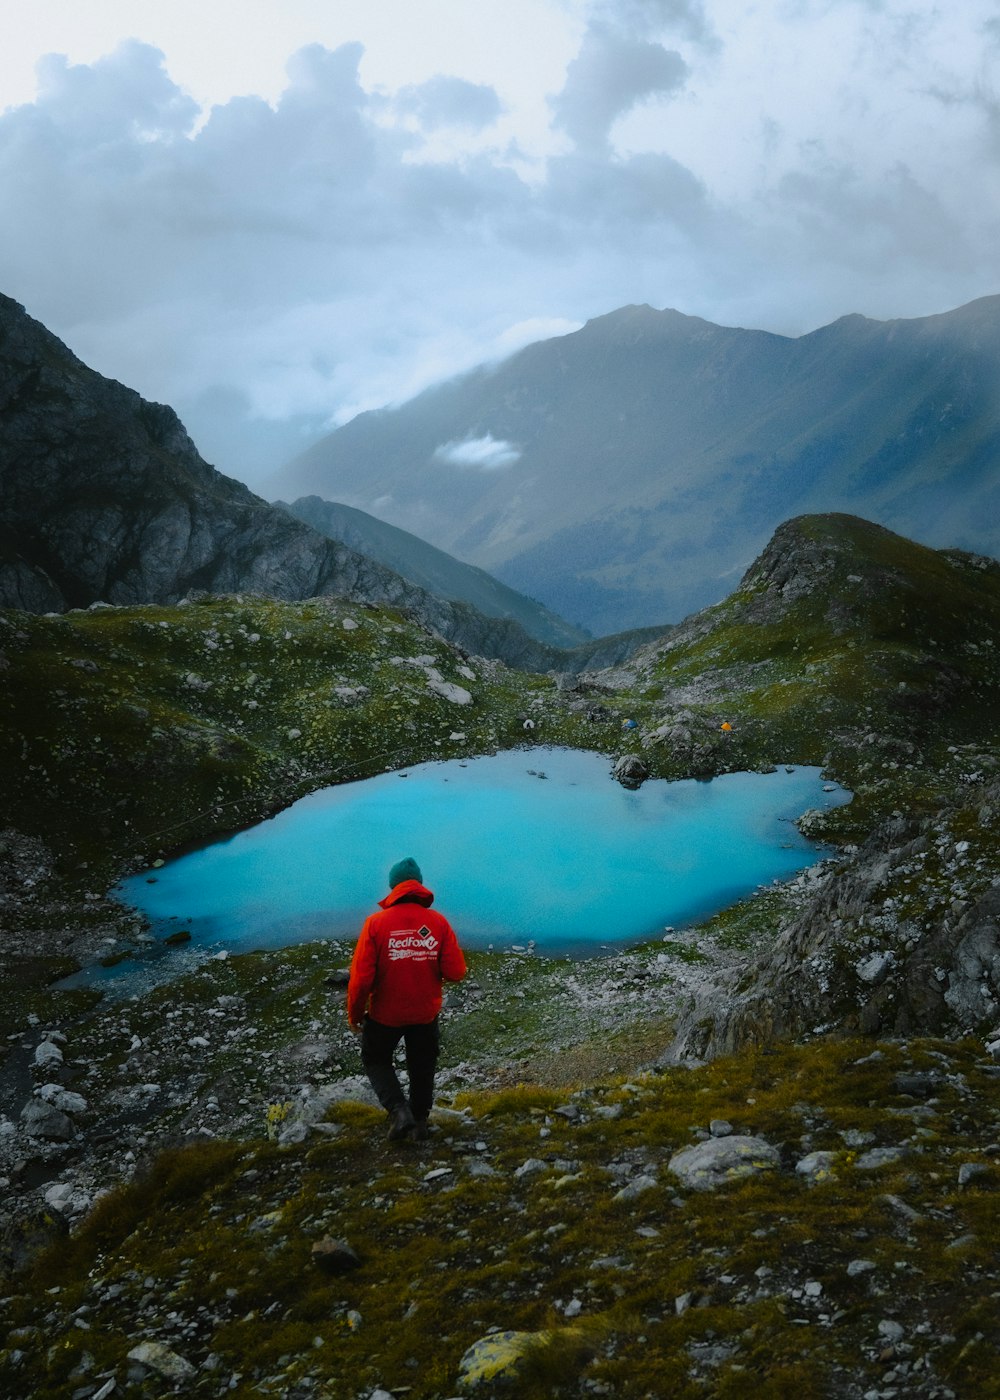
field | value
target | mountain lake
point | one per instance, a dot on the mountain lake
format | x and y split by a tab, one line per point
533	848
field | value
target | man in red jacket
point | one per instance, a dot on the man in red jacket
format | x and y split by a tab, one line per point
403	954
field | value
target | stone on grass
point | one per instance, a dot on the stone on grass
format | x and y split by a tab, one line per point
817	1166
971	1172
166	1363
22	1240
48	1053
711	1164
879	1157
335	1256
860	1266
635	1188
457	694
917	1085
499	1357
720	1127
630	771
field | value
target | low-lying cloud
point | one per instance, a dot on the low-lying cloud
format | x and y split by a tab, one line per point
485	453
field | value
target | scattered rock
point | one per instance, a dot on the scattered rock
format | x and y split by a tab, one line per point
635	1188
24	1238
500	1357
877	1157
48	1053
970	1173
335	1256
711	1164
918	1086
456	694
529	1168
163	1361
630	771
876	968
42	1120
817	1166
63	1099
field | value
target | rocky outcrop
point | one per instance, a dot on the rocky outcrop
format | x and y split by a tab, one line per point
899	938
104	498
432	569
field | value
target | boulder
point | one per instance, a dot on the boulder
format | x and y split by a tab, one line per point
335	1256
63	1099
166	1363
43	1120
817	1166
630	771
711	1164
498	1359
48	1053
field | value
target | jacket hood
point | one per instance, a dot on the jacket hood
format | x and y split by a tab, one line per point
407	889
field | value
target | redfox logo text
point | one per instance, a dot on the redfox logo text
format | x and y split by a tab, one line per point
422	945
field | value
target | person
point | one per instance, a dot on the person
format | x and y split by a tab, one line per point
403	955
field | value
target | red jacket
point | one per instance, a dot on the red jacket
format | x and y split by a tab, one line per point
402	955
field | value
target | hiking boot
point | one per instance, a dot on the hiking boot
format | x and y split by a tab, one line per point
401	1122
421	1130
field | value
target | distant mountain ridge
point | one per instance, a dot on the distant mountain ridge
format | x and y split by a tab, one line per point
432	569
104	498
629	472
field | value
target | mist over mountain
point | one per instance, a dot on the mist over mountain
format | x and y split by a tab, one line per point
627	473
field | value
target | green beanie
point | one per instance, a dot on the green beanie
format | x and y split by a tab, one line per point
406	869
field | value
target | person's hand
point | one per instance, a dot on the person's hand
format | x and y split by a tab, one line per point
356	1027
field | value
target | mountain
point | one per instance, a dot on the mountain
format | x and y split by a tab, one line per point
104	498
432	569
628	473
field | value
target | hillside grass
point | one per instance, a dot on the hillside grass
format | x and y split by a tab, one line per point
680	1292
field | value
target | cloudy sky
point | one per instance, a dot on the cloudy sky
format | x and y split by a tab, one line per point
273	214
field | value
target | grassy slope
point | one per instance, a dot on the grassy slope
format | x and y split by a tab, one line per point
210	1252
889	655
132	731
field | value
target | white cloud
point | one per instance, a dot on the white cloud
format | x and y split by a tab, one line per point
395	211
444	101
486	453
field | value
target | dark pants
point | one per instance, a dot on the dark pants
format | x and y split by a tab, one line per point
378	1043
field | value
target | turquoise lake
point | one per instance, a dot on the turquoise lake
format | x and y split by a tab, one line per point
534	846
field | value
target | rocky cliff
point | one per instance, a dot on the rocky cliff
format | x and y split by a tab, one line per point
432	569
104	498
